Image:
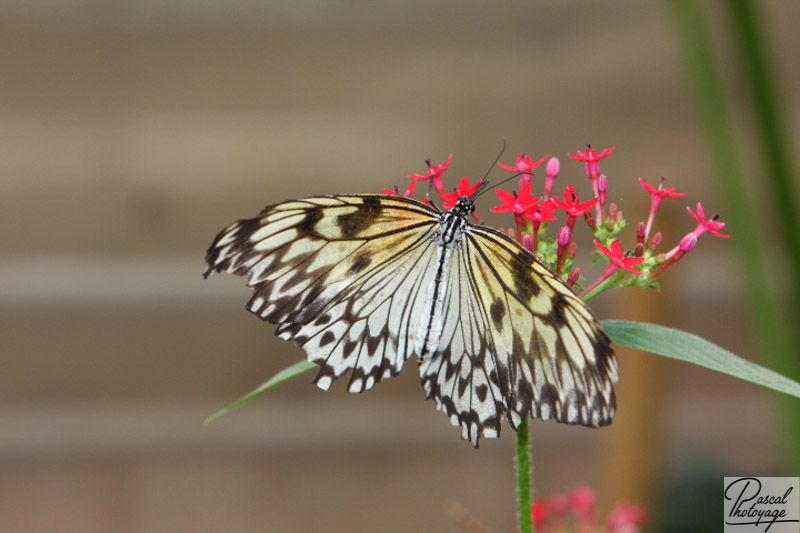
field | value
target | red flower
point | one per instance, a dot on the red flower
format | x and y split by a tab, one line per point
625	517
590	155
591	158
541	213
517	204
656	195
571	205
706	226
583	499
437	170
617	258
524	164
539	511
464	189
434	173
391	191
560	503
669	192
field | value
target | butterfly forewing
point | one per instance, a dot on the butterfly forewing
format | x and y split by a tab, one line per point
341	275
353	280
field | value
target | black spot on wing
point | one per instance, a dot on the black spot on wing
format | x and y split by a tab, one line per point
557	314
548	394
360	264
498	311
309	222
525	287
327	338
481	391
362	218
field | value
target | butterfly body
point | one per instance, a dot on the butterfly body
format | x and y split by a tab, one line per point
364	282
453	224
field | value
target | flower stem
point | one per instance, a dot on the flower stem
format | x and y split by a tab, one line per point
524	477
599	285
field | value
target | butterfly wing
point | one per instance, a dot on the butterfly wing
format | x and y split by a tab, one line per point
516	341
341	275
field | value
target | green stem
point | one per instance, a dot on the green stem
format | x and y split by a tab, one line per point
611	281
765	315
768	113
524	477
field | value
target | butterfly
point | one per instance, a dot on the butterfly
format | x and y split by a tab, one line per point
364	282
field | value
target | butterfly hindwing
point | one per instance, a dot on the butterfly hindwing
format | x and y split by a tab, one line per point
462	376
559	362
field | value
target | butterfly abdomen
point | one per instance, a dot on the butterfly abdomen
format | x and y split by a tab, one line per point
431	323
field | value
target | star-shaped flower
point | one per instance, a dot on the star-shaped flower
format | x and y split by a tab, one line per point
704	225
591	158
590	155
524	164
541	213
434	173
618	258
571	205
517	204
656	196
661	192
464	189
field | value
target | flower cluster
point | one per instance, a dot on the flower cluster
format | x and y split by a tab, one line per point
639	266
573	511
576	511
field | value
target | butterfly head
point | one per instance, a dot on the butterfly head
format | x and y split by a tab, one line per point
465	205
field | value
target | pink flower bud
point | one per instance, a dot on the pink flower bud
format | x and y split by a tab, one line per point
602	183
527	242
573	277
553	168
688	243
572	249
656	240
602	188
640	233
564	236
589	217
551	173
612	210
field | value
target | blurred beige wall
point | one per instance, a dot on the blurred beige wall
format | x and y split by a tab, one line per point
131	132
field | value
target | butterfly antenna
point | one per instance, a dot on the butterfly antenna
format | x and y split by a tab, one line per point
484	181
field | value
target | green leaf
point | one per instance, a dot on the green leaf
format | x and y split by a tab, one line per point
284	375
684	346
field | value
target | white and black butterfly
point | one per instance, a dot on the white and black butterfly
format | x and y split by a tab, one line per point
363	282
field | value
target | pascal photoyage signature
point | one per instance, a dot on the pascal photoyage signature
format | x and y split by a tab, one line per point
750	507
